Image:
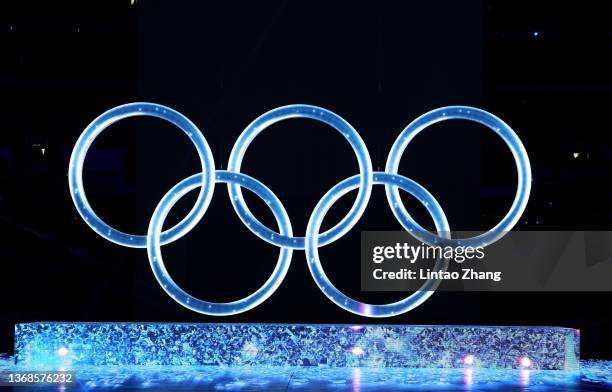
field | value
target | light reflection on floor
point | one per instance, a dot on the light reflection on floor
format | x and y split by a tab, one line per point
595	376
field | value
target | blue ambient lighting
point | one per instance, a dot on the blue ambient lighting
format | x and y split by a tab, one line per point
163	276
594	376
281	345
312	248
508	136
93	130
314	113
284	239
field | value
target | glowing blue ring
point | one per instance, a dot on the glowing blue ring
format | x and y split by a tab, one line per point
508	136
75	172
178	294
315	113
312	246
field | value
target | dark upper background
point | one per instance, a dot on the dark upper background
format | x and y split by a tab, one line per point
545	69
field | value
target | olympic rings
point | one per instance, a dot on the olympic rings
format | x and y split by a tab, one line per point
95	128
157	262
284	239
487	119
312	248
315	113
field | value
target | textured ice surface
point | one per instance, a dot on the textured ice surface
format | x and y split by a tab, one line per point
594	376
371	346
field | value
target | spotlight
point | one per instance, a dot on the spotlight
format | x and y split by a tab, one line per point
469	360
357	351
525	362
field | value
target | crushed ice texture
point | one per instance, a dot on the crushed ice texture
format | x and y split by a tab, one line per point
291	345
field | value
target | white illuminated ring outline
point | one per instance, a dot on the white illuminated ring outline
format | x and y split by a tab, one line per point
284	238
163	276
509	137
315	113
314	262
95	128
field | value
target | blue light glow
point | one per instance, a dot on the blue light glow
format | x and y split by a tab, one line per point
284	238
508	136
595	376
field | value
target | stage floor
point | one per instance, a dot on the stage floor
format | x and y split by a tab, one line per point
594	376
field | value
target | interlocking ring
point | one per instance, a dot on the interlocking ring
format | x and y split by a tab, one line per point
284	238
508	136
312	246
315	113
157	262
95	128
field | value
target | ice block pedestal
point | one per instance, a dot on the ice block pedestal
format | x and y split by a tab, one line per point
389	346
